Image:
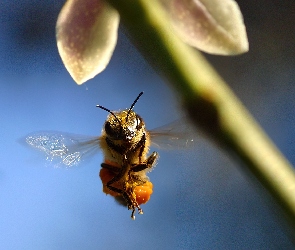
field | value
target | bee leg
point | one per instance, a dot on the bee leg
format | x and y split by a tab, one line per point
141	144
133	211
120	174
116	178
110	167
125	192
132	204
132	214
149	163
117	190
130	200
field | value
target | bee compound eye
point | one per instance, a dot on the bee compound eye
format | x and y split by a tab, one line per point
114	131
109	130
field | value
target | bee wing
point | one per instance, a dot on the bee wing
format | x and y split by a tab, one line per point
62	148
175	135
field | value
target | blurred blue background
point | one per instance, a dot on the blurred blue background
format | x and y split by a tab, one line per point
202	198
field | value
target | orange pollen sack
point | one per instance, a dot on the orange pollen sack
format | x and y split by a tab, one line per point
105	176
143	192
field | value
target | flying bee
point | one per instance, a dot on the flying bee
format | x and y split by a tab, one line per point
125	143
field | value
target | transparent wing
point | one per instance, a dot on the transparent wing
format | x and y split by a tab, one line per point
175	135
63	149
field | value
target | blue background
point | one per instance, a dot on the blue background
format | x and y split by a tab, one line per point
202	197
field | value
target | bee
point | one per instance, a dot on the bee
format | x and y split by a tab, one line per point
125	143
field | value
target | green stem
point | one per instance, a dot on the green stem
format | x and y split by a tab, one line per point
206	97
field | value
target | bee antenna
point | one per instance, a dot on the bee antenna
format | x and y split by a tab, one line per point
112	113
133	104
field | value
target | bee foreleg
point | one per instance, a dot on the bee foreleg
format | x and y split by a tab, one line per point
149	163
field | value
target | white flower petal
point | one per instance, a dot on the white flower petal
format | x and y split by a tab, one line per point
214	26
86	32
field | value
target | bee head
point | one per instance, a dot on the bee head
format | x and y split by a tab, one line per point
123	125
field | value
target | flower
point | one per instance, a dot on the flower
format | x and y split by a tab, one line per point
86	31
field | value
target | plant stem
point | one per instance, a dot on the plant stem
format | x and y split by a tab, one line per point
206	97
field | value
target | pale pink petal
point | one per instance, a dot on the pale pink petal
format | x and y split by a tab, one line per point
214	26
86	32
